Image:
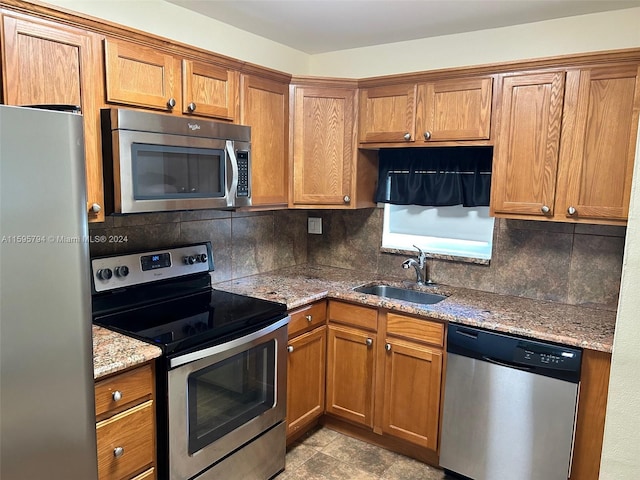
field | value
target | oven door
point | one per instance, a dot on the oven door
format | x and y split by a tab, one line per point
157	172
223	397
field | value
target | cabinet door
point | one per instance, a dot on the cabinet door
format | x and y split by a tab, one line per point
454	110
525	160
140	76
133	432
388	114
209	90
48	63
305	378
350	374
413	376
598	142
264	106
323	146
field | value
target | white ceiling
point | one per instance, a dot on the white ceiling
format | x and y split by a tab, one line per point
317	26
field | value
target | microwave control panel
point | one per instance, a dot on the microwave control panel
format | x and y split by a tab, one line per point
243	173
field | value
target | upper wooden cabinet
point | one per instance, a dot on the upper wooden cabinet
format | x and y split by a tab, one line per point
525	157
328	171
388	114
565	144
147	77
264	106
49	63
598	142
422	113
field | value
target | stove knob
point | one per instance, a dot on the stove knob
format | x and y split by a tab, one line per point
189	260
104	274
202	257
122	271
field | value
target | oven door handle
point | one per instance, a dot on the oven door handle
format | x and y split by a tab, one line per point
197	355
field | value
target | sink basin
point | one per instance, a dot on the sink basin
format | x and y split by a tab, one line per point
404	294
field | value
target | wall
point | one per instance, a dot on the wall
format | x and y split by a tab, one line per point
170	21
243	243
584	33
558	262
620	460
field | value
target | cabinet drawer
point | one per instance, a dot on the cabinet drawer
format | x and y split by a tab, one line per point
147	475
131	430
355	315
133	386
415	329
308	317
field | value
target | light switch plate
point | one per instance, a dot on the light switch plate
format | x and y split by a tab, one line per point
314	225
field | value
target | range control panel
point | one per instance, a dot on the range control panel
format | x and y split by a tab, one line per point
119	271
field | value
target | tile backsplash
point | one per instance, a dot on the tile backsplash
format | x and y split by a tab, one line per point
566	263
243	243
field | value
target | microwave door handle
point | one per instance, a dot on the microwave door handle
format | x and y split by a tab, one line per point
233	188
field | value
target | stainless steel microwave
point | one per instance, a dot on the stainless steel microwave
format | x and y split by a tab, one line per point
155	162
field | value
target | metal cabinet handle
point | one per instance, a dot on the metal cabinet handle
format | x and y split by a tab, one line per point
117	396
191	107
290	348
407	136
427	135
545	209
369	342
309	318
571	211
95	208
171	103
387	347
118	452
347	199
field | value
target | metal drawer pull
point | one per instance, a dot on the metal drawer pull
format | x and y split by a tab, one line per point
171	103
117	396
309	318
387	347
118	452
545	209
290	348
369	342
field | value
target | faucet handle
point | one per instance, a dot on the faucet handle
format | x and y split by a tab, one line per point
422	256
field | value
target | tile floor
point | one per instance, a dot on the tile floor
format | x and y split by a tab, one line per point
328	455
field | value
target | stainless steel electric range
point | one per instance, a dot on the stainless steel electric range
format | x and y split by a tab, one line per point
221	383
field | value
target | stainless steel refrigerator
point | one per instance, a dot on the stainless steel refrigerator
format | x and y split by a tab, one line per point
47	416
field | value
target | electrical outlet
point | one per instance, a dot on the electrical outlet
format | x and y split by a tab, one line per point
314	225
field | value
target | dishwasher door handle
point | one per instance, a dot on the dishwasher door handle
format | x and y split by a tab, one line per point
506	364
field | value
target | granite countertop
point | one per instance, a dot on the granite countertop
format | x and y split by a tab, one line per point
570	325
113	352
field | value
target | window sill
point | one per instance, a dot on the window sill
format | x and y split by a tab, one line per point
437	256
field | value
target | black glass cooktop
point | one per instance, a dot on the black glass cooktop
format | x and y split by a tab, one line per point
194	321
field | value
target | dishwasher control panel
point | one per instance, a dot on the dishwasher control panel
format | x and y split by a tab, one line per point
510	351
546	356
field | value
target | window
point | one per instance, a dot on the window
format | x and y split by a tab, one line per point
458	231
437	199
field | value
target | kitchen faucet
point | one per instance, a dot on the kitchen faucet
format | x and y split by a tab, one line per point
420	266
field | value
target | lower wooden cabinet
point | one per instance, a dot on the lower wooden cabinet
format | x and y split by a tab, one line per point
393	386
125	428
351	366
305	379
412	387
306	365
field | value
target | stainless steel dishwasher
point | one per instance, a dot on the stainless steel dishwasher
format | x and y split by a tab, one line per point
509	407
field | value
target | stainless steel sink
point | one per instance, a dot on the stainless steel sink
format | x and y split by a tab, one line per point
404	294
